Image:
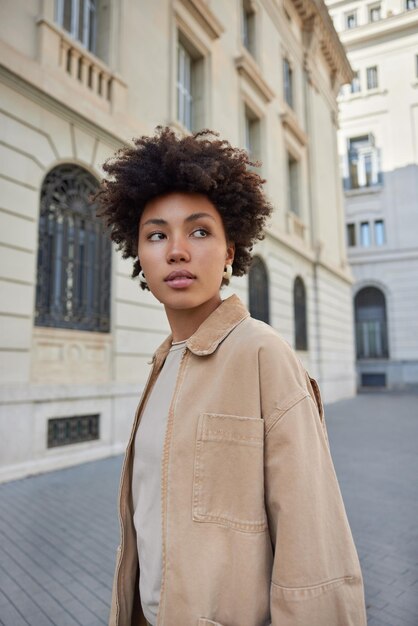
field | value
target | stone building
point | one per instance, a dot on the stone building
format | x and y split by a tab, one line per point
79	80
378	146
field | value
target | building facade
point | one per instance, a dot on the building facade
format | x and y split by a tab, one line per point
378	146
82	79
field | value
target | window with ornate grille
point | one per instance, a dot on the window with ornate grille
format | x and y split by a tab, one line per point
74	254
300	314
371	327
259	299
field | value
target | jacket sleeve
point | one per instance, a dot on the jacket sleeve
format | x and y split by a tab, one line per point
316	575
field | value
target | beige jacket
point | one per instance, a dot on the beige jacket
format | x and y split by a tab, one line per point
253	525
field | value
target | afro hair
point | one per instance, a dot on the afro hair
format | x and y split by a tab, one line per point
199	163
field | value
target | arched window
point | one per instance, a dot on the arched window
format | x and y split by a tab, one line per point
300	314
73	282
371	327
259	290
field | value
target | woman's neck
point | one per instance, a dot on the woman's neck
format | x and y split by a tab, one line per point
184	322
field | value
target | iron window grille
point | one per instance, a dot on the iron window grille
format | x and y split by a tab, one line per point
259	299
371	325
300	314
74	255
63	431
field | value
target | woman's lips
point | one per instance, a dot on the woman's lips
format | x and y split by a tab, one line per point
179	279
179	282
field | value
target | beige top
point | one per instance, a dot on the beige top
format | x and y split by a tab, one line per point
146	482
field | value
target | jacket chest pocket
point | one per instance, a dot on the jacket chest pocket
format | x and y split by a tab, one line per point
228	481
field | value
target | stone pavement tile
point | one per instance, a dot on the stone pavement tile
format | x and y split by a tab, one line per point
65	619
378	601
83	614
87	597
69	519
399	617
377	621
56	591
11	616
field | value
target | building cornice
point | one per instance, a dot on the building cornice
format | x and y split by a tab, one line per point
316	20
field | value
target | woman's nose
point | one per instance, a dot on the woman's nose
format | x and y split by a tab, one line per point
178	250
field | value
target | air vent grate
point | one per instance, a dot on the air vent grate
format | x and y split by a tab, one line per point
63	431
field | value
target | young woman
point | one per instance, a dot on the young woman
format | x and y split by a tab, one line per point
230	510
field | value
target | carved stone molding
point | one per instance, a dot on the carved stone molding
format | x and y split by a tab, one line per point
290	123
204	16
249	69
318	25
70	356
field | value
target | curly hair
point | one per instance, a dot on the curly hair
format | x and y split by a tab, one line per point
165	163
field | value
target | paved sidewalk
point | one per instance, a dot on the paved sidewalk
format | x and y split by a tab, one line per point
59	531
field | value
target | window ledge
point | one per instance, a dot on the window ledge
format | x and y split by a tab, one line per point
363	94
363	191
249	69
295	226
176	125
289	120
204	16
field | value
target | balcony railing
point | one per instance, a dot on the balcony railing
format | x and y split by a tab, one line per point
64	56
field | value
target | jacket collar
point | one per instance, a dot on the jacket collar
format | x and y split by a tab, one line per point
213	330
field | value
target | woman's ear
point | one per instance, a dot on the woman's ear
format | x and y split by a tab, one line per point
230	253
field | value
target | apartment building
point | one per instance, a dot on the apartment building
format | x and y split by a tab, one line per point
78	80
378	147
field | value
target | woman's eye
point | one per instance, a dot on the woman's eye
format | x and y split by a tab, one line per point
155	236
200	232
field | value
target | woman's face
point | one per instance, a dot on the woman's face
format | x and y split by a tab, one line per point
182	249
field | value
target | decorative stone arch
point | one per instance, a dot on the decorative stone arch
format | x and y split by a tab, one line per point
74	253
300	315
259	296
